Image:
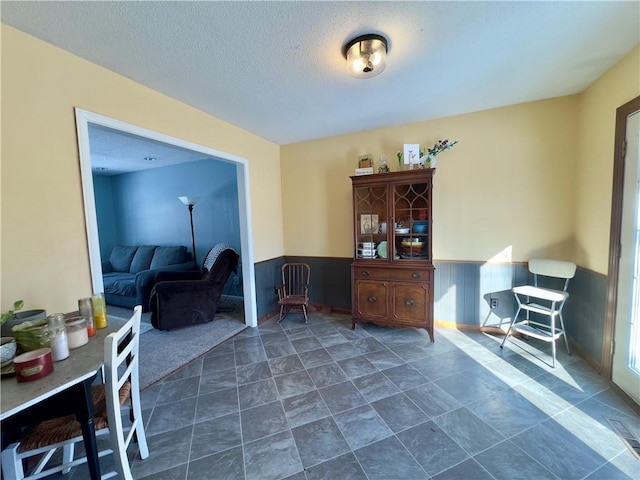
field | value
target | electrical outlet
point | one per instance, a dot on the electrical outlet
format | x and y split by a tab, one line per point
493	303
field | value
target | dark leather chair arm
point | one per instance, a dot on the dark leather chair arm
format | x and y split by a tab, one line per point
174	276
146	279
178	288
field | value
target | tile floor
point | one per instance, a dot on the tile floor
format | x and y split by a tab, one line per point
289	401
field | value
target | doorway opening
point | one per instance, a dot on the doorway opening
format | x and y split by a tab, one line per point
85	119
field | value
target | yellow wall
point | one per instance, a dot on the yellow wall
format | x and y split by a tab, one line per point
525	180
594	166
505	192
529	179
44	248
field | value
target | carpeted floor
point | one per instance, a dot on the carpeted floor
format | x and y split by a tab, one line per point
164	352
119	315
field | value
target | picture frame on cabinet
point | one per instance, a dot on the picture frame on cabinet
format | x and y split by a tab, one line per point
369	223
411	153
365	161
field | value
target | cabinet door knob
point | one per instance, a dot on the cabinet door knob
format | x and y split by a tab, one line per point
372	299
415	275
409	303
365	273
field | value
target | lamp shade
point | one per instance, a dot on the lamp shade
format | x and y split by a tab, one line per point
189	200
366	55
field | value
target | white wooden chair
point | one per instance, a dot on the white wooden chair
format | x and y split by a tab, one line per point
121	385
544	301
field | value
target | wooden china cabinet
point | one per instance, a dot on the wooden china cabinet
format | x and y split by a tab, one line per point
392	271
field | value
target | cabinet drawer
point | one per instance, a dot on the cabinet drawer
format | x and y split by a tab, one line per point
371	299
409	302
402	274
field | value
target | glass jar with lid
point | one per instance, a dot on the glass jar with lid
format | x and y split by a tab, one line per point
77	332
85	306
58	341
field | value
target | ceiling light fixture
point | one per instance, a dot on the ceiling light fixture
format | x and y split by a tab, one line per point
366	55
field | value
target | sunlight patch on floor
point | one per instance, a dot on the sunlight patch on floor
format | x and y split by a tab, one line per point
588	430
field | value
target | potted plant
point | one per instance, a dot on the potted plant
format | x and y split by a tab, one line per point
17	305
13	317
8	344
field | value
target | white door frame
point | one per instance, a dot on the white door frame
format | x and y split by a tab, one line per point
622	373
84	118
608	344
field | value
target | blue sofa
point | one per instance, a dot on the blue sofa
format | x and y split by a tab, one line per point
129	274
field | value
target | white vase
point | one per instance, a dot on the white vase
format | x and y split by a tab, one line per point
433	161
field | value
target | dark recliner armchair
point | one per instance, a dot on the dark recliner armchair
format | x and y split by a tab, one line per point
180	299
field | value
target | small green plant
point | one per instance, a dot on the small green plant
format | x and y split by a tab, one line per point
17	305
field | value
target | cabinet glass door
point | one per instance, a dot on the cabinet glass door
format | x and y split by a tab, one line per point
411	209
371	222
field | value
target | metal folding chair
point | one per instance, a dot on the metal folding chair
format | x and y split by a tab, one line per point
544	301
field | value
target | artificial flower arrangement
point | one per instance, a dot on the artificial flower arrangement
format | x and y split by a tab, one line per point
439	147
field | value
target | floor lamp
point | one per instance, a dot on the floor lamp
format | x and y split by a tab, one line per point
190	202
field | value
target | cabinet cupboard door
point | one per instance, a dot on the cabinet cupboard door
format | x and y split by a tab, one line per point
410	302
371	299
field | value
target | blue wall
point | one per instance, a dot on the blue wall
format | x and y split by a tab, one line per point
142	208
105	213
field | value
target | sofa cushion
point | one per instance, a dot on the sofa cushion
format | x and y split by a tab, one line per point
119	283
165	256
121	258
142	259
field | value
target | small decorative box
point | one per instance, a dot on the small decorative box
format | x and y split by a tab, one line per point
364	171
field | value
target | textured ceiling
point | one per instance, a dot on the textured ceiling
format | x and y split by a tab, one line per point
276	68
114	152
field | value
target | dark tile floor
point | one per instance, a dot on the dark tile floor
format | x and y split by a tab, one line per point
289	401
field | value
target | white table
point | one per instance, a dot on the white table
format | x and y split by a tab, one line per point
65	391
